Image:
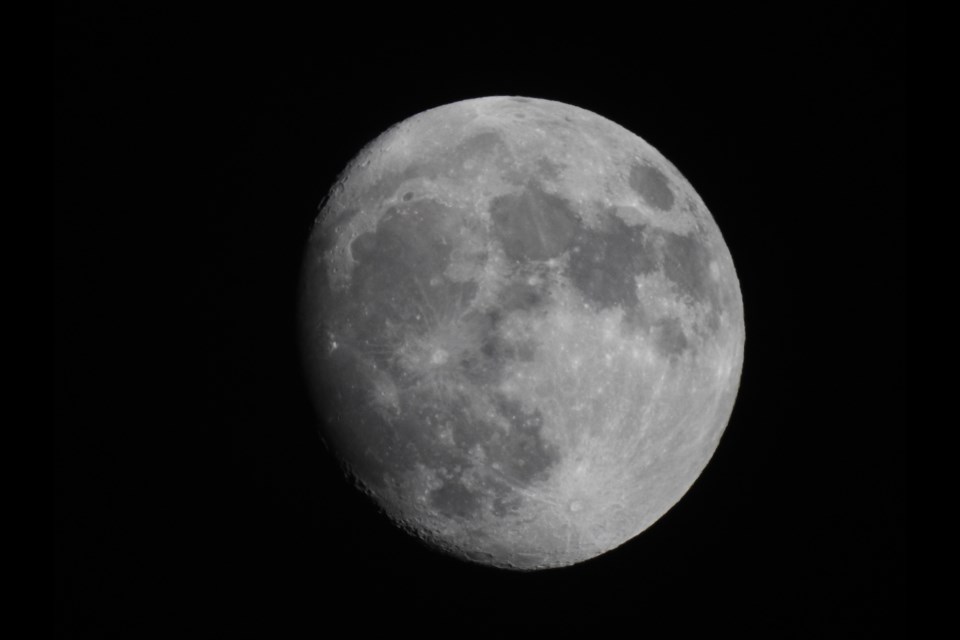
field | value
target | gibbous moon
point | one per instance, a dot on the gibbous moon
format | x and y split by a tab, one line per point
523	330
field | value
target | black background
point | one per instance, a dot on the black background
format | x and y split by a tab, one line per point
192	151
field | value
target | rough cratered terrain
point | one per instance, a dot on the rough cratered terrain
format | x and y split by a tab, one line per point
523	328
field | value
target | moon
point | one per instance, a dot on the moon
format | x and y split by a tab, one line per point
522	329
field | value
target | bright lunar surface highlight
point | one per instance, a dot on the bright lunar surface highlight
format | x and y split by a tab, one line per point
523	330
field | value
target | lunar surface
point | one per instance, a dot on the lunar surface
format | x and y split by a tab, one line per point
523	330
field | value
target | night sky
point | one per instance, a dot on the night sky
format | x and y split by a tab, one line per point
193	493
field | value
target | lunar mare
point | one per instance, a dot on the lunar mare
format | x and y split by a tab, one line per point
523	330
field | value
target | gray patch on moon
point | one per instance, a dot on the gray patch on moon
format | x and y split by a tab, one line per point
399	269
399	282
651	185
442	430
671	341
520	451
455	500
514	455
549	169
533	224
604	263
367	195
480	144
686	262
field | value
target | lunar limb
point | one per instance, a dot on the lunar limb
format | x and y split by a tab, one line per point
523	330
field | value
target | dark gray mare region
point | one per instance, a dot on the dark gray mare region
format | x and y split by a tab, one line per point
399	291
